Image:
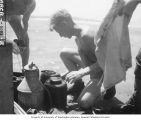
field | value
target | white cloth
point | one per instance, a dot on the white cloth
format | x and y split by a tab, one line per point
113	46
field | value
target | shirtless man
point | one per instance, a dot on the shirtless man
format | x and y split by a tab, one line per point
84	58
17	14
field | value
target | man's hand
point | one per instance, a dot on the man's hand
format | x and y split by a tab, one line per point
16	49
73	76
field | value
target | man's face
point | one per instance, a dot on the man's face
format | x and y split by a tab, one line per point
64	30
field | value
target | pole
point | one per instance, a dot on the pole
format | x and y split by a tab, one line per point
6	84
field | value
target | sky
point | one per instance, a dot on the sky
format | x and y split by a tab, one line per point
89	9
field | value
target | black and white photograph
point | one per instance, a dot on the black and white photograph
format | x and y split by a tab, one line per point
79	58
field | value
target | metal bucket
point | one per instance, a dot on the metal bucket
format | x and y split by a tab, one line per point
30	100
30	90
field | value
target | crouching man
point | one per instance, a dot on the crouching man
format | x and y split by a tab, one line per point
80	62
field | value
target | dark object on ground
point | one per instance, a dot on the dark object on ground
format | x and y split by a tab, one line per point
55	89
56	111
100	111
112	110
122	109
76	89
46	74
74	108
41	112
111	106
31	111
110	93
17	78
35	111
58	91
127	109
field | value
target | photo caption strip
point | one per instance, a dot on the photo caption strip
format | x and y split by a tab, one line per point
2	23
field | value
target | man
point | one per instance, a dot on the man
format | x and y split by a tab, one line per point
133	105
84	58
17	14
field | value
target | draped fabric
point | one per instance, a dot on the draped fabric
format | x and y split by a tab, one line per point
113	49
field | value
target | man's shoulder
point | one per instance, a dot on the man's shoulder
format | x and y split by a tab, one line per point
89	33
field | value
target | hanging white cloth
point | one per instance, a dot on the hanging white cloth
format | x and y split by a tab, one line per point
113	45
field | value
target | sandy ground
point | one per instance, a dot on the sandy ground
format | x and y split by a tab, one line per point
45	47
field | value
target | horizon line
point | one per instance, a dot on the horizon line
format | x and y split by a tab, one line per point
80	18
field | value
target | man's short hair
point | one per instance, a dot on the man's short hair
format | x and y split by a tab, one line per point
58	17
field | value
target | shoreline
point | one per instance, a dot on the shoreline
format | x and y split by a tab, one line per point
82	21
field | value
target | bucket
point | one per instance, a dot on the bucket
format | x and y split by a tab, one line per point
32	76
30	91
28	99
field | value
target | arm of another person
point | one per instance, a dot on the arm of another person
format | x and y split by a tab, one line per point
116	7
129	7
29	9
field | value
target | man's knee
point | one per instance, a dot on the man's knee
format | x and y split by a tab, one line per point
85	102
64	53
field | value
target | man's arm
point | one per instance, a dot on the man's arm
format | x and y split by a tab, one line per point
76	75
117	6
129	7
92	68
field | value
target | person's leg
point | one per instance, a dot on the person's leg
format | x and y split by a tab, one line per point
135	101
71	59
90	93
137	88
15	23
109	93
133	105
